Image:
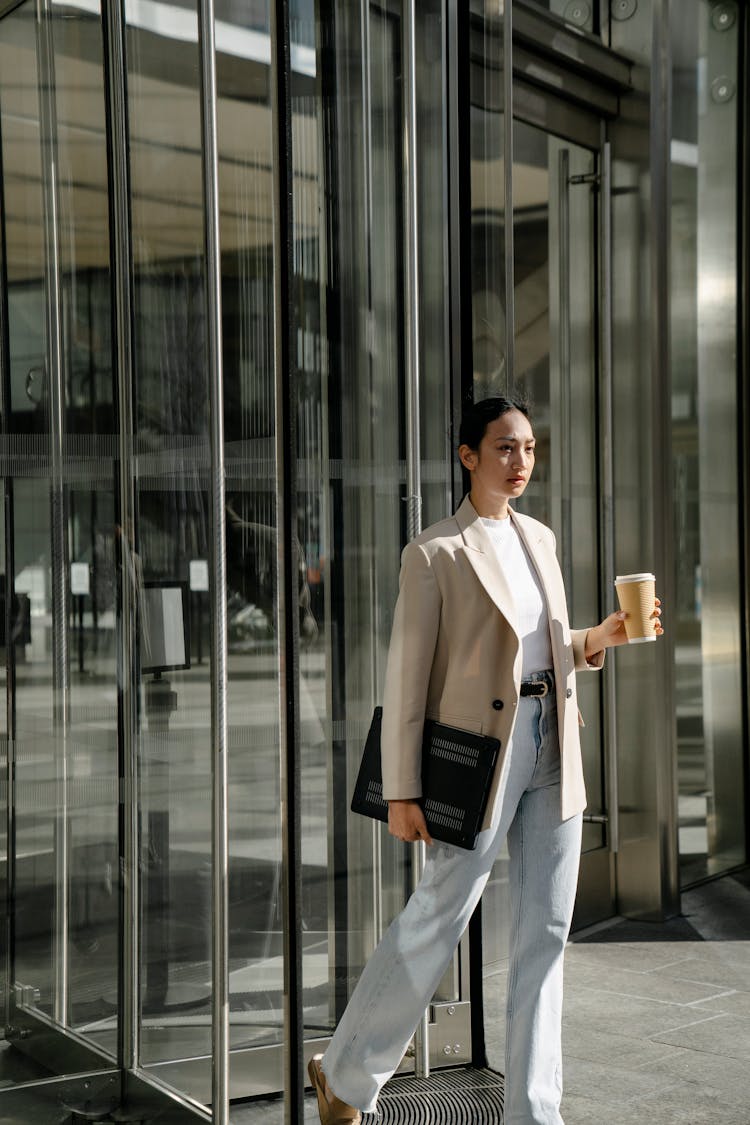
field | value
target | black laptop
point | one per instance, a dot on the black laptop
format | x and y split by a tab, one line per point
457	770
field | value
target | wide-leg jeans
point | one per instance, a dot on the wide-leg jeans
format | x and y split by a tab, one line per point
402	974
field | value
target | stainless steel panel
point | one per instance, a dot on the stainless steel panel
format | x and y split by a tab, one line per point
716	408
646	871
585	52
564	119
541	72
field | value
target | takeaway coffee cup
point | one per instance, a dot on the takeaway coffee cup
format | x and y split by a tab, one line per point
636	594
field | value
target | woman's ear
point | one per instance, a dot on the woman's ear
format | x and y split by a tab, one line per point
468	457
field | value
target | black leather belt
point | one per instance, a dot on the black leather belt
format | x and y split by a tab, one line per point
541	683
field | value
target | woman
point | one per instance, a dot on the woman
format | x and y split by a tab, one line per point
481	641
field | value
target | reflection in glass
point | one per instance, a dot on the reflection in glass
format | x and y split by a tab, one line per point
348	377
58	573
488	327
167	548
246	214
555	368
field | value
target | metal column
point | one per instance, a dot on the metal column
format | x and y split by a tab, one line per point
508	243
286	576
129	986
55	373
412	403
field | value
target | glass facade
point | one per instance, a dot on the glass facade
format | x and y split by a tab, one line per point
401	228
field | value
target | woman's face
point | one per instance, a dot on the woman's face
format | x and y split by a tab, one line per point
502	465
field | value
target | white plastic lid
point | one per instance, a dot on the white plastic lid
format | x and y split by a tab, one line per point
635	578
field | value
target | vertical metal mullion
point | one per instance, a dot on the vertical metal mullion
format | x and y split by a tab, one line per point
58	529
10	648
606	492
218	670
744	401
113	17
459	220
412	380
367	165
411	271
510	297
286	572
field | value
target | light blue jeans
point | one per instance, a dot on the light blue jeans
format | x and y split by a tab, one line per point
402	974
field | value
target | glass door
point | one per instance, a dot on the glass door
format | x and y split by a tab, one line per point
557	223
559	265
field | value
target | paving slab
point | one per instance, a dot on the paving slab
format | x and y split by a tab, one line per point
629	1015
722	1035
612	1084
660	985
733	1002
690	1103
717	1071
706	966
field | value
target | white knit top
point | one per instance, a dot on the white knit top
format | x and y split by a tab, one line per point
528	594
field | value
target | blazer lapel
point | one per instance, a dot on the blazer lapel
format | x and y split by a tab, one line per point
481	554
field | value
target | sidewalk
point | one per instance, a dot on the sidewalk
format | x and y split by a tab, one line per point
657	1016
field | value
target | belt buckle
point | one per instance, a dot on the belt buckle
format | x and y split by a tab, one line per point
543	687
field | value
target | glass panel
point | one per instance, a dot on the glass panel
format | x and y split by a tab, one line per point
60	560
167	548
348	323
487	133
437	455
349	377
555	307
704	435
247	214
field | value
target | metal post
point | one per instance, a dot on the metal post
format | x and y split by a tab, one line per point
10	648
510	296
412	329
286	573
218	670
58	518
129	983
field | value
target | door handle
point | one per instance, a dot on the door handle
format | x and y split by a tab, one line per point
606	495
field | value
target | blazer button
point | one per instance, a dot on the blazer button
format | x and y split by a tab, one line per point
568	693
498	704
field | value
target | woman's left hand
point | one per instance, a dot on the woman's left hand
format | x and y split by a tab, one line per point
612	631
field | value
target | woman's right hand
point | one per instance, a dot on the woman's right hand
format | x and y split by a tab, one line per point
406	821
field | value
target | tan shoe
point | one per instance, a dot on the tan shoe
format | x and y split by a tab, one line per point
331	1109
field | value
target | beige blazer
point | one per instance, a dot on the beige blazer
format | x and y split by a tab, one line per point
455	653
